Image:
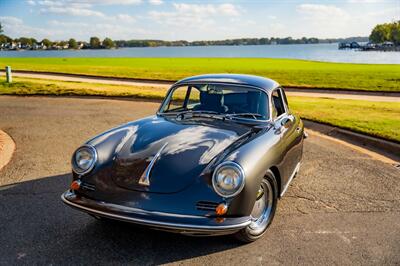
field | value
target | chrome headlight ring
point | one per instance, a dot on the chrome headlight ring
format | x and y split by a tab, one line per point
84	159
228	174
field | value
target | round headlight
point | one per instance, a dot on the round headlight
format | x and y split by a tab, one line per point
84	159
228	179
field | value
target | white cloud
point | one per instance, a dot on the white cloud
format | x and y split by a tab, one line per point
198	9
125	18
328	21
113	2
228	9
31	2
15	27
73	11
194	15
11	21
156	2
80	7
322	12
365	1
49	3
87	3
57	23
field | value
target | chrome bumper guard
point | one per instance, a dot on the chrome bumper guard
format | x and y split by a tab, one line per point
185	224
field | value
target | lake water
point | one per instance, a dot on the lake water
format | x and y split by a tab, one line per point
316	52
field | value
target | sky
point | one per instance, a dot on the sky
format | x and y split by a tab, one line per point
193	20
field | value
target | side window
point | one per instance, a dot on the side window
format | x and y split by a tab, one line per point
194	98
278	107
284	98
177	99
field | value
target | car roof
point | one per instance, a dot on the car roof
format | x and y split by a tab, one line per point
265	84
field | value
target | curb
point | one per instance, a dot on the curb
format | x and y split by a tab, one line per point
7	148
89	76
384	147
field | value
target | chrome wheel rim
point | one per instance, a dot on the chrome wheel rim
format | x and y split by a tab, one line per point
262	209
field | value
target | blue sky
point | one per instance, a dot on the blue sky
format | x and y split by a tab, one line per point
193	20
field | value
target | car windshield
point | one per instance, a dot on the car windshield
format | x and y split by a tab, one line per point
220	99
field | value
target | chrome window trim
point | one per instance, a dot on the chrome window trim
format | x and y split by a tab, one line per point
271	104
286	104
173	87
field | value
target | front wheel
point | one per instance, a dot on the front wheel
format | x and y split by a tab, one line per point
263	211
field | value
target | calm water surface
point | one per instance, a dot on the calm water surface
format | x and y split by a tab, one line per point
317	52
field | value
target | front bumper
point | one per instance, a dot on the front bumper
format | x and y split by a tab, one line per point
180	223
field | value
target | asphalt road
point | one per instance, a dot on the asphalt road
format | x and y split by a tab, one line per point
343	207
318	93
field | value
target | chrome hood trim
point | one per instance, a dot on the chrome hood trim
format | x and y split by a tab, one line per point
145	177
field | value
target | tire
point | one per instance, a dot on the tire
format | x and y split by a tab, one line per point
266	213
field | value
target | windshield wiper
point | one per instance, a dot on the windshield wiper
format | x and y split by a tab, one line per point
253	115
198	113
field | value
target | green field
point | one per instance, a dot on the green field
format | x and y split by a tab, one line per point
288	72
381	119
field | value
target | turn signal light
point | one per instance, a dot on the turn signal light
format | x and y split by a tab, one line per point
76	185
221	209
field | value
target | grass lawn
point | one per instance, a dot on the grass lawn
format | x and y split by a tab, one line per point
380	119
288	72
27	86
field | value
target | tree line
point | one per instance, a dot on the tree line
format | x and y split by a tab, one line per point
107	43
232	42
387	32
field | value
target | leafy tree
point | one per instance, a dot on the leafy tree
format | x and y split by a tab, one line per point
94	42
72	44
108	43
5	39
386	32
62	43
380	33
24	41
46	42
33	40
1	28
395	32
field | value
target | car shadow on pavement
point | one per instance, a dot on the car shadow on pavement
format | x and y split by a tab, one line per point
37	228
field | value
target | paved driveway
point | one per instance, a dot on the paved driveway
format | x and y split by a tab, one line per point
343	208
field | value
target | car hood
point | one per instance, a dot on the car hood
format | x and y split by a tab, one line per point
174	153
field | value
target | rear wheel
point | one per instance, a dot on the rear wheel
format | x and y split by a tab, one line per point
263	211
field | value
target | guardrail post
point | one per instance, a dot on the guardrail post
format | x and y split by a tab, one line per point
8	74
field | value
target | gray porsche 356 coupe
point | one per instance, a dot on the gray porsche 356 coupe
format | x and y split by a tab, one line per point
219	153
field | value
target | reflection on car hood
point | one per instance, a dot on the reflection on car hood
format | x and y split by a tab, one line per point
189	145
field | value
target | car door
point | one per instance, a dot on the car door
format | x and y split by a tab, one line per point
287	126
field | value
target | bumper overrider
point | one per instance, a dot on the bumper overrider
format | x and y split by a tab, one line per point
179	223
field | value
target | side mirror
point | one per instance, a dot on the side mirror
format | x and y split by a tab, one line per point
287	121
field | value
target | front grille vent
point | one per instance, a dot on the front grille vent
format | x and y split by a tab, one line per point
88	186
206	205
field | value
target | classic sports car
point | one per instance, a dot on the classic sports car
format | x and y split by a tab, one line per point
219	153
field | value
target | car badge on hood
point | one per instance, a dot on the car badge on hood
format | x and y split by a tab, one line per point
145	178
